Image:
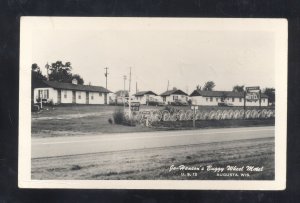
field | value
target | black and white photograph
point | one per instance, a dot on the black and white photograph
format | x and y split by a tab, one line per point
153	103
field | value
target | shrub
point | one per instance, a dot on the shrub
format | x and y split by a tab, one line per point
118	116
110	121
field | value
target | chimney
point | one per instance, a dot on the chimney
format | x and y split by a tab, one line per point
74	81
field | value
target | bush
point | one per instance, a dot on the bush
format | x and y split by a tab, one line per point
110	121
118	116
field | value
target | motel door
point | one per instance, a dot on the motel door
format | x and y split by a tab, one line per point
105	98
59	96
87	98
73	97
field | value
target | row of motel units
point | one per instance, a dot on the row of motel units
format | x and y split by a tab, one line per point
71	93
167	97
212	98
198	97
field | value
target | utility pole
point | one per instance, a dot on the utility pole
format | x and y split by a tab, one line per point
124	77
129	96
106	73
47	67
168	86
136	89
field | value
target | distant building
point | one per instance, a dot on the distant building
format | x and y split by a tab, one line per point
174	96
70	93
119	97
213	98
145	96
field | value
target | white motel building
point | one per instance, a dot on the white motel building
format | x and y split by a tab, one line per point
213	98
145	96
174	95
70	93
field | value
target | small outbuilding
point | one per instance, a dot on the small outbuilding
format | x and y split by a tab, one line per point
175	95
145	96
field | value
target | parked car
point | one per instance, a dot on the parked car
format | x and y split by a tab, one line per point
132	100
179	103
225	104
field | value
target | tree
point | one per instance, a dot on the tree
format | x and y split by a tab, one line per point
270	92
60	72
78	78
223	97
238	88
209	86
36	77
198	87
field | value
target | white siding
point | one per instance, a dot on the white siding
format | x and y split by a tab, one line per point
143	99
80	97
96	98
66	96
172	97
206	101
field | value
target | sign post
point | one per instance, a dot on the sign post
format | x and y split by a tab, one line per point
252	94
135	106
194	108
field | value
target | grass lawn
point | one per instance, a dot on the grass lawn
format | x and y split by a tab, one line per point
154	164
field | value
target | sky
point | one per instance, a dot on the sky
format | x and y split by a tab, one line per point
185	58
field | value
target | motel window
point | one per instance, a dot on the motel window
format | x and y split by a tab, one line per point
217	98
46	94
206	98
211	99
164	99
40	93
232	99
175	98
240	99
92	96
65	94
79	95
100	94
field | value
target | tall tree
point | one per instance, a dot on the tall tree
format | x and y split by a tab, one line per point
198	87
270	92
209	86
60	72
238	88
36	77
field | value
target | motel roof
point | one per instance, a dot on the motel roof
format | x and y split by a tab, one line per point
70	86
177	91
221	94
142	93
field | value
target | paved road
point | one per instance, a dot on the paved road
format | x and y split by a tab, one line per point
61	146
